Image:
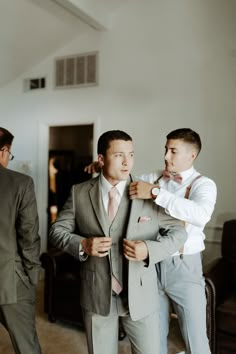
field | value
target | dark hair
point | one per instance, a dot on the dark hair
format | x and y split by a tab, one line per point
107	137
188	135
6	138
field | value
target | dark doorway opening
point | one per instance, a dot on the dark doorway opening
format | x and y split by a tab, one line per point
70	150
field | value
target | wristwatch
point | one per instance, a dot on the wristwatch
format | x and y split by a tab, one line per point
154	192
81	251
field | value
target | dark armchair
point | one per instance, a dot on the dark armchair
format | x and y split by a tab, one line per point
62	286
221	284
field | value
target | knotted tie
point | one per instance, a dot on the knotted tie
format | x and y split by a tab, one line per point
112	203
112	210
170	176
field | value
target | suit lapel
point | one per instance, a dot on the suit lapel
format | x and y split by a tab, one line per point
135	212
98	207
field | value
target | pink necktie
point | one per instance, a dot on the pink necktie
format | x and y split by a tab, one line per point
112	203
170	176
112	210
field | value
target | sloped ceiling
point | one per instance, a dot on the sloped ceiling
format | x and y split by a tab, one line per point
30	30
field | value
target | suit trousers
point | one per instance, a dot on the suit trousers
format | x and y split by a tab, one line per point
182	282
19	319
102	331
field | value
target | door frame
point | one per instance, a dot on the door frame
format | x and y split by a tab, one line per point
41	182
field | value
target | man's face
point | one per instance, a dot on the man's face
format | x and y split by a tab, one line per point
118	161
179	155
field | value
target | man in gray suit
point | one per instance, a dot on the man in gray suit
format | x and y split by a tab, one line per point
117	253
19	253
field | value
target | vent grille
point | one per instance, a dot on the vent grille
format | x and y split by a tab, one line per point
34	84
76	71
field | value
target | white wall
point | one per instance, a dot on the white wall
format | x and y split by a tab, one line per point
164	65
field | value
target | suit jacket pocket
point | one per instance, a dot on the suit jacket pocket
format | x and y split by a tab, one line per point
87	275
87	287
95	291
24	278
148	278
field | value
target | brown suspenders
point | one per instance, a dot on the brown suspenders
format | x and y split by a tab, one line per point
188	188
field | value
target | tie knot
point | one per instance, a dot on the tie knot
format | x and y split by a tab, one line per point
172	176
113	192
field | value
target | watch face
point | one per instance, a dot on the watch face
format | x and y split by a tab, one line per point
155	192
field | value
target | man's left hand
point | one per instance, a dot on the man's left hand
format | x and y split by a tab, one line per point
135	250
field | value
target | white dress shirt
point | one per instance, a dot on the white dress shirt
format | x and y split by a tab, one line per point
106	187
196	211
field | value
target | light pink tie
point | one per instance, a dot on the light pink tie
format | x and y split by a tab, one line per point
112	210
112	203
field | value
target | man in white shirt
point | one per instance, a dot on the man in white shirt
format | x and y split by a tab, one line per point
188	196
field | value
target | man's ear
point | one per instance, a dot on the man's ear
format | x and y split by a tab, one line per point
3	156
2	150
194	154
101	160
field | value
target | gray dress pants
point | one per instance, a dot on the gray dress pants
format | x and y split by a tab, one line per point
182	282
102	331
19	319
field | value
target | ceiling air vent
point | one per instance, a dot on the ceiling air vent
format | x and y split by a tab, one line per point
76	70
34	84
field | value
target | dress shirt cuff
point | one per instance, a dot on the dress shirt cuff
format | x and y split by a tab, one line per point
82	255
162	198
74	248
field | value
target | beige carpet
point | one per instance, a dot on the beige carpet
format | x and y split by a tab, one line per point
61	338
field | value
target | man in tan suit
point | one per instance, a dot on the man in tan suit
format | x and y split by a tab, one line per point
118	253
19	253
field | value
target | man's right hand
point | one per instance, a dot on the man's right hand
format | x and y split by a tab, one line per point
94	167
96	246
140	190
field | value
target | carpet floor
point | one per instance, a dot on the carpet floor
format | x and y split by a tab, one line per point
61	338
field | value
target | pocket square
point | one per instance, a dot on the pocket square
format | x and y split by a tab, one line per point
144	218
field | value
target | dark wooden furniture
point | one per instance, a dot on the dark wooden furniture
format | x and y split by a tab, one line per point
61	288
221	283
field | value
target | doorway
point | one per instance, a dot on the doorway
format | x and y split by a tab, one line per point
70	150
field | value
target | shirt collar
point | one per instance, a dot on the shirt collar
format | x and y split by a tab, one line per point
187	173
106	186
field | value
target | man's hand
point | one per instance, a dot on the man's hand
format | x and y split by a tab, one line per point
135	250
140	190
96	246
94	167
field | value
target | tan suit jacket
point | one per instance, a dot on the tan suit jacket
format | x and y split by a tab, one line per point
83	217
19	238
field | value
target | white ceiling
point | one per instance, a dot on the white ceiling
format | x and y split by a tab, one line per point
31	30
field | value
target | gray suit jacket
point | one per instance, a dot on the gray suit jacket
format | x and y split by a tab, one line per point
19	239
82	217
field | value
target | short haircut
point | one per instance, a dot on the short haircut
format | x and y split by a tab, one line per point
6	138
187	135
107	137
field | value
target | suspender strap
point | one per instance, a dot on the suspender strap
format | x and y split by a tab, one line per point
187	192
158	179
190	186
